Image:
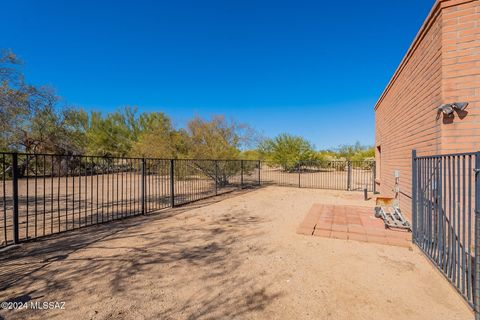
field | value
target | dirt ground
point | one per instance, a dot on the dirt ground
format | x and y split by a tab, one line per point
229	257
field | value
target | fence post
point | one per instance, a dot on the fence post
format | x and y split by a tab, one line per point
259	172
15	174
299	178
349	175
172	183
241	176
143	187
414	193
476	292
216	177
374	177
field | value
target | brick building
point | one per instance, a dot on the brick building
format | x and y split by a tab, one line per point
442	66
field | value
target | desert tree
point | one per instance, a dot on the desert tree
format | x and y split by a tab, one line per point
220	139
14	99
287	151
110	135
154	136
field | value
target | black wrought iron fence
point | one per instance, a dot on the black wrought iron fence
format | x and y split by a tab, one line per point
446	217
337	174
43	194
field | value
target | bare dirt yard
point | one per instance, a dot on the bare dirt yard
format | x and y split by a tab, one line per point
235	256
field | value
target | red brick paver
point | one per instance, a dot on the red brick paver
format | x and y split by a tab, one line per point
351	223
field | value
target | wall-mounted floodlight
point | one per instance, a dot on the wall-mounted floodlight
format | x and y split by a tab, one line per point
460	105
448	108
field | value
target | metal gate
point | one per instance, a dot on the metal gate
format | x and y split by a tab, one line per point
445	214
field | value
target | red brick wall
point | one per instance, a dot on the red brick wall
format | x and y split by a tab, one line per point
441	66
461	74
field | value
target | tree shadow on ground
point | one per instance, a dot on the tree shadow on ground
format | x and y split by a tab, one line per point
146	258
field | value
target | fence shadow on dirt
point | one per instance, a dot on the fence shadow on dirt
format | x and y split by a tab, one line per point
127	255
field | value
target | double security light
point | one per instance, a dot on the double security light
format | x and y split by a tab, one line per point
448	108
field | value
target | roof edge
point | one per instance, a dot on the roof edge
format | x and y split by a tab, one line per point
431	18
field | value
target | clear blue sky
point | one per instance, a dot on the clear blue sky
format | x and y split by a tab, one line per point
311	68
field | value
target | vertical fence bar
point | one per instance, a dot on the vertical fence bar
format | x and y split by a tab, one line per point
142	198
36	195
420	208
349	175
441	231
216	177
172	183
414	194
4	200
469	238
15	197
27	165
241	174
446	223
477	237
374	177
299	176
464	213
259	172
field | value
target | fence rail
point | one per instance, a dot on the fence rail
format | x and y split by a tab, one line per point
446	217
44	194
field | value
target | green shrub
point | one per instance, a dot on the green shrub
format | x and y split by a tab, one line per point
287	151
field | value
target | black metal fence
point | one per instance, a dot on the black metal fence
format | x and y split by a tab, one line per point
446	217
337	175
43	194
198	179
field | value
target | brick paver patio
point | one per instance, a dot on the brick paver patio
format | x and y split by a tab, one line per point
351	223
